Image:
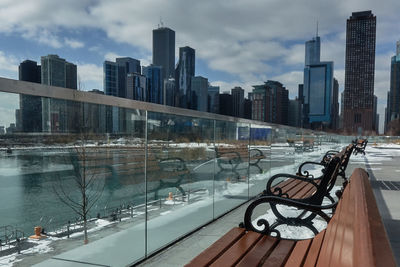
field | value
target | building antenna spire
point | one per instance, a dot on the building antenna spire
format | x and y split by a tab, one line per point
161	25
317	29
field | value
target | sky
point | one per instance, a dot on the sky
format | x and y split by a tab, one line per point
237	42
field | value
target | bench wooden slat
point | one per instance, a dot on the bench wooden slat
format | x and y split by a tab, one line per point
234	254
314	251
257	254
329	242
295	192
280	254
298	254
217	248
355	236
378	252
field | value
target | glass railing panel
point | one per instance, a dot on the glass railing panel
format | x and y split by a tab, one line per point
232	164
57	153
286	145
180	173
260	157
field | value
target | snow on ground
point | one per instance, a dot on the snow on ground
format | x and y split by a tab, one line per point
181	209
41	246
296	232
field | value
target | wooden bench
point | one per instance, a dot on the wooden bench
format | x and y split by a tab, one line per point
360	145
126	167
355	236
230	157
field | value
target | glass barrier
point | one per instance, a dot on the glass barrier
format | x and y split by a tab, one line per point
136	177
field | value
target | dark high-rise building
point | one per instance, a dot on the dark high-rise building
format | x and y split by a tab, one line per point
359	77
29	71
294	113
115	75
30	113
155	92
225	104
270	102
247	108
71	79
57	71
317	91
59	115
375	114
110	78
213	99
313	51
185	70
335	106
238	102
164	51
126	65
136	86
393	106
199	94
170	97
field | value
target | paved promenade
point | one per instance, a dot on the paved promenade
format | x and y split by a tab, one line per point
383	166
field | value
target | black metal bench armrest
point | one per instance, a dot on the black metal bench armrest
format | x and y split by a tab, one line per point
300	172
277	190
268	229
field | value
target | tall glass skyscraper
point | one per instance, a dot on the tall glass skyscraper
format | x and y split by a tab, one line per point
110	75
213	99
30	106
164	51
238	101
57	71
360	72
317	91
154	82
115	75
185	71
313	51
393	108
199	94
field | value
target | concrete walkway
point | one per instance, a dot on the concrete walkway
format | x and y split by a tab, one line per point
382	164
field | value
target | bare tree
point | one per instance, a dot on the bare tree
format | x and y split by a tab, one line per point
87	184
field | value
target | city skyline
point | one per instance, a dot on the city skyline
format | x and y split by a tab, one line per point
234	53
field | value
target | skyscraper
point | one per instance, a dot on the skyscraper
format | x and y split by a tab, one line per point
30	106
115	75
136	86
335	106
199	94
154	83
213	99
185	70
393	108
57	71
110	78
270	102
360	70
313	51
29	71
317	91
238	102
126	65
170	92
59	115
164	51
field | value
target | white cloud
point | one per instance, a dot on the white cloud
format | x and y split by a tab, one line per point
8	63
111	56
252	40
90	76
73	43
